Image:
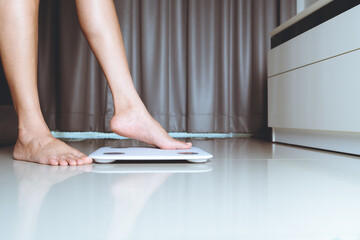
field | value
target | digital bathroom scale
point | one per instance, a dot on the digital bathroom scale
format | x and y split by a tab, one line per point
143	154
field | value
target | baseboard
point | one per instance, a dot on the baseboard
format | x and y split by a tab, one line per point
345	142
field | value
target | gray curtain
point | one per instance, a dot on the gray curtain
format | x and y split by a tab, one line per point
198	65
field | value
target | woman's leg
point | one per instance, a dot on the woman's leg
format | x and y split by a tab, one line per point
100	25
18	53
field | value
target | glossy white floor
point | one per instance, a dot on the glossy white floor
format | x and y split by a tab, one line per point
250	190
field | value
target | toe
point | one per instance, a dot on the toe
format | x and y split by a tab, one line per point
53	161
181	145
63	162
87	160
72	158
72	162
185	145
80	161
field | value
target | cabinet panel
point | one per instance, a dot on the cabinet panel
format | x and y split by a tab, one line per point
321	96
336	36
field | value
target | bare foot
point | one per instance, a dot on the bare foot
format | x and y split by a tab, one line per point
138	124
43	148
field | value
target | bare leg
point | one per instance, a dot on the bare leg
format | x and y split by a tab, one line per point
18	52
100	25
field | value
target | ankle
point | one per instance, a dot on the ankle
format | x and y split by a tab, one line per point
27	133
130	108
127	102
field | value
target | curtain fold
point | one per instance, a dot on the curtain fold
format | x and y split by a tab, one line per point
72	87
203	63
199	65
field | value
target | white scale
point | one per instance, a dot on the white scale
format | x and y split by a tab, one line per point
113	154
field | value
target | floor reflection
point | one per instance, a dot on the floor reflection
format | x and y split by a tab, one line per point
251	190
34	182
130	189
130	194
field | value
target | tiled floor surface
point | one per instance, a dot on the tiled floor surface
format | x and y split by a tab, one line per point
251	189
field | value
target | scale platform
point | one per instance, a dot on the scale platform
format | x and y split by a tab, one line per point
149	154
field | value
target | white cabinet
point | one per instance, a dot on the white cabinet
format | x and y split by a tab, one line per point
314	86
